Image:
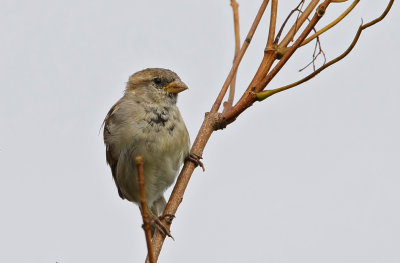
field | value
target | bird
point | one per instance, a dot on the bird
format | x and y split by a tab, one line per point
146	122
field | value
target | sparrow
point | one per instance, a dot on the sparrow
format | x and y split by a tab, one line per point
146	122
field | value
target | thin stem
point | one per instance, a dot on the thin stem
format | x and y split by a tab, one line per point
298	8
272	25
332	24
144	209
299	22
315	54
235	8
270	53
239	57
381	17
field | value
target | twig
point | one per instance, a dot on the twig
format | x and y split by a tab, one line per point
298	8
239	57
270	53
299	22
315	56
298	15
272	25
332	24
144	209
235	8
265	94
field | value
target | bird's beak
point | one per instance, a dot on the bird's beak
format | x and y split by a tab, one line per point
176	87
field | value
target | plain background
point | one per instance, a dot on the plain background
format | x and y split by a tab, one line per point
310	175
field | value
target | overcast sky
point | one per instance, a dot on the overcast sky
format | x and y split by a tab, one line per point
310	175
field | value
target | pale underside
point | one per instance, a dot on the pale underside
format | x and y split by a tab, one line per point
154	131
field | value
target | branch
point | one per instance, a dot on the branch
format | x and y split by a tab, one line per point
267	93
332	24
235	8
250	95
299	22
315	54
144	209
270	53
239	57
272	25
298	8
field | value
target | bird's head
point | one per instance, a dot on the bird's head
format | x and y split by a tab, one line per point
156	83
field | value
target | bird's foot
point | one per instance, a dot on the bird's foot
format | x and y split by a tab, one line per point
156	221
168	218
196	159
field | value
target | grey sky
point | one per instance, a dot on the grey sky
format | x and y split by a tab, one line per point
311	175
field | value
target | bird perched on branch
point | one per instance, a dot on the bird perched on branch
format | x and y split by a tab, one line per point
146	122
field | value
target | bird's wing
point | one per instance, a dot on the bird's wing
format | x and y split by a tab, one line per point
107	132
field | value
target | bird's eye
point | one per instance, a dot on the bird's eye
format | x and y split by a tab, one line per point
157	80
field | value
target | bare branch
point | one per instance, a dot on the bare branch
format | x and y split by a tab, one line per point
380	18
267	93
272	25
239	57
250	97
144	209
332	24
299	22
298	8
270	53
315	55
235	8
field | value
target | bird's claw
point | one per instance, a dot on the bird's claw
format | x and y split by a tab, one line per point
156	221
168	218
196	159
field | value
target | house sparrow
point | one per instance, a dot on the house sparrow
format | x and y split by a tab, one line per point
147	122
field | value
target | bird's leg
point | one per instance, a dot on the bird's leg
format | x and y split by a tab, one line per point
196	159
